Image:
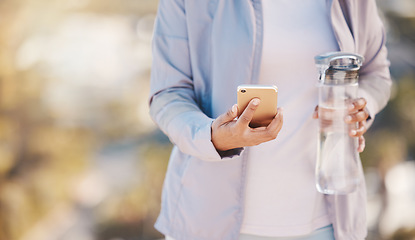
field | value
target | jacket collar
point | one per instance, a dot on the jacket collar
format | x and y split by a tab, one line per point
340	20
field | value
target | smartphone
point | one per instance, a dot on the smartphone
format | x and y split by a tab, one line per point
267	109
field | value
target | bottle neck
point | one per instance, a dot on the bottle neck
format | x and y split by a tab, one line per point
340	76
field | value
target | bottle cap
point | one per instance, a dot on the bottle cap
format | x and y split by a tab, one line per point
338	68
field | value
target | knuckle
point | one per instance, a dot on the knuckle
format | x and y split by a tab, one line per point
252	107
245	118
363	101
361	115
229	114
361	130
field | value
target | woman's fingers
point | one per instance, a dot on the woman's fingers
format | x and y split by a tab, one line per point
277	122
228	133
359	116
362	144
357	105
248	113
230	115
264	134
255	136
357	111
361	129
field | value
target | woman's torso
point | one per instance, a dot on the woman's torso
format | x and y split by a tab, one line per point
281	198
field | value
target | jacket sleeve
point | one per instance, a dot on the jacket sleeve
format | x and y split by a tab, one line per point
375	80
173	105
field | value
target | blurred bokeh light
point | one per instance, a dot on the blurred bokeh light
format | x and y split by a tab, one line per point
80	159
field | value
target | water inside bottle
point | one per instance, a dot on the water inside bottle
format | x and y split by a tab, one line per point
336	165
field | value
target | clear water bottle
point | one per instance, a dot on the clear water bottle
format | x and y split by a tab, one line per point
338	162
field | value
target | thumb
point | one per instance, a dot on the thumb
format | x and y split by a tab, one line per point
229	115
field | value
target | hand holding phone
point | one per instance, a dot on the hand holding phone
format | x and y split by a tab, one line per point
228	133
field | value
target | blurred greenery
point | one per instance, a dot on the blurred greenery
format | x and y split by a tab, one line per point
392	138
404	234
132	213
52	130
80	158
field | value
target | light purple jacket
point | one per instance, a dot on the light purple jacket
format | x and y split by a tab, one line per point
204	49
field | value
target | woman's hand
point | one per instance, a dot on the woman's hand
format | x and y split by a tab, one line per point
228	133
357	114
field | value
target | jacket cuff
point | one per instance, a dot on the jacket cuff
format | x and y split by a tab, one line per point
230	153
191	133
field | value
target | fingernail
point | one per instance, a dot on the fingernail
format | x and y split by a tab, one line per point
256	101
348	119
234	108
350	107
353	132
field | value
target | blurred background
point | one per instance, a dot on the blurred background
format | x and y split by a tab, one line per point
80	158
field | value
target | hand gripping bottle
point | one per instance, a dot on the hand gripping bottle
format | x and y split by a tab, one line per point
338	162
